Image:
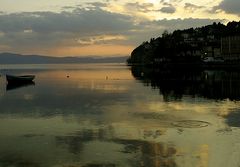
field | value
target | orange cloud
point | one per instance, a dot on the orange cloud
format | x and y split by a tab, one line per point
101	38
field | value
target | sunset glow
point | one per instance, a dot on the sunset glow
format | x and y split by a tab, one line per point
82	28
92	50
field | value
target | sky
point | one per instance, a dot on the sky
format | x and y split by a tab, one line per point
101	27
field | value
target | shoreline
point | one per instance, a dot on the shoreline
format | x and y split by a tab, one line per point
193	65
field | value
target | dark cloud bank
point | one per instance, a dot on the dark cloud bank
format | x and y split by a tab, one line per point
229	6
47	29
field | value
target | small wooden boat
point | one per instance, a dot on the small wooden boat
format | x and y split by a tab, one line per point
21	78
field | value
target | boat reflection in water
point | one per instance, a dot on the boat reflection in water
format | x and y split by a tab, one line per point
17	85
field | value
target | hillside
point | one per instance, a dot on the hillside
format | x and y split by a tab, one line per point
184	45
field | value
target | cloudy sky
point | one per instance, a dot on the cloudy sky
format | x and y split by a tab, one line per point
100	27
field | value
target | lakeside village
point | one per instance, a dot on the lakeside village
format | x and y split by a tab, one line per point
215	44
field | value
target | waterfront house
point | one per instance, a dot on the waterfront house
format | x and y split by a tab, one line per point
230	47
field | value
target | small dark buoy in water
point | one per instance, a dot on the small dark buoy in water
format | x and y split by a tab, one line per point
67	76
106	77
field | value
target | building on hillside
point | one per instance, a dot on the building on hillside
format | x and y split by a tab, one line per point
211	51
230	47
185	36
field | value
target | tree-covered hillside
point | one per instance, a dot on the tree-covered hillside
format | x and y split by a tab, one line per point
183	44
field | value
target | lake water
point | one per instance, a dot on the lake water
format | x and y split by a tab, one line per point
111	115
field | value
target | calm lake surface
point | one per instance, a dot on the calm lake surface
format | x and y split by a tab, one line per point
111	115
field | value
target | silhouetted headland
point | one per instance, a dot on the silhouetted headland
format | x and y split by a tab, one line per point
212	46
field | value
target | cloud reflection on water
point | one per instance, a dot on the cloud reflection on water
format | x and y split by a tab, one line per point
117	122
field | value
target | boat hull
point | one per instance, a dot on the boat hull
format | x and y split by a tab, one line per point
23	78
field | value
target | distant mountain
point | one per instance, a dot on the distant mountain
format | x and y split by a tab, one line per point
11	58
